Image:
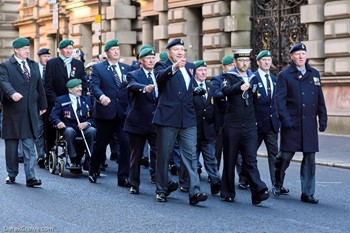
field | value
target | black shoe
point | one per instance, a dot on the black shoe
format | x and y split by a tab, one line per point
228	199
197	198
172	186
10	180
86	165
308	199
276	191
173	170
243	186
284	190
144	162
199	172
21	159
184	190
33	182
134	190
153	179
261	196
124	183
114	156
41	162
215	188
160	197
92	176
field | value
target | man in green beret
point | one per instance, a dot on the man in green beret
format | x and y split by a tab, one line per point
58	72
220	100
21	85
265	111
206	132
109	86
64	116
163	56
138	123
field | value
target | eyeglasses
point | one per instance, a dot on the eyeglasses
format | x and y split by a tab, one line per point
243	60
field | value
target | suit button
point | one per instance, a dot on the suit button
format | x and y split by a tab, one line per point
205	110
270	115
203	118
179	92
303	105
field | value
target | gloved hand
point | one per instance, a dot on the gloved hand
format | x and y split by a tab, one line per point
322	127
199	91
287	123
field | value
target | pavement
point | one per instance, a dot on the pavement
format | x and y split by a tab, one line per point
334	151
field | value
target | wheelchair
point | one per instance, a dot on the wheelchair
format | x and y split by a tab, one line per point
58	159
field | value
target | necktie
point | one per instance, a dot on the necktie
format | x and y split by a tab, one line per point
150	80
268	86
26	71
44	69
205	95
78	108
116	76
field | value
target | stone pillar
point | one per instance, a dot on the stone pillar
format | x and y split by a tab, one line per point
147	31
160	32
313	15
8	14
120	13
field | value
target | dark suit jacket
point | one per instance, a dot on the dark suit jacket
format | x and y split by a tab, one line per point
265	109
103	83
63	111
205	114
239	114
139	119
220	100
175	103
56	77
299	98
20	119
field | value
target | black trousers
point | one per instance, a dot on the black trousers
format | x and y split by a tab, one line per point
137	143
242	140
105	130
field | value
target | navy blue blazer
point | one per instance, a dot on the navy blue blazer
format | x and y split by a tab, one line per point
139	118
299	98
175	103
56	77
220	99
103	83
265	109
63	111
204	107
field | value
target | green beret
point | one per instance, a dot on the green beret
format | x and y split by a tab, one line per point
297	47
20	42
144	47
174	42
163	56
73	83
146	51
65	43
226	60
264	53
200	63
110	44
241	53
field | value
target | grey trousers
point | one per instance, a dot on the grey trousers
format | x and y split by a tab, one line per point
307	171
11	155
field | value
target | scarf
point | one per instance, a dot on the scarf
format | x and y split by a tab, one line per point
66	61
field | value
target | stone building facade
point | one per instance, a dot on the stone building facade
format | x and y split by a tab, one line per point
8	14
210	29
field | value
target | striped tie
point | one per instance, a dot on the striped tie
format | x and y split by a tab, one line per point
26	71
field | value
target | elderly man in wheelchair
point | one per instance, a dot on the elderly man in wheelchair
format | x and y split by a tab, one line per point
72	115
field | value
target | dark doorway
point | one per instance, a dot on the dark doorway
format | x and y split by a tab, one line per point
275	27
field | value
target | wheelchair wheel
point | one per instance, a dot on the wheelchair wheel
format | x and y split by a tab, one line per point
61	168
52	162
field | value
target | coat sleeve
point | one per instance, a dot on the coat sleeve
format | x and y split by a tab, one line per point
5	85
281	98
